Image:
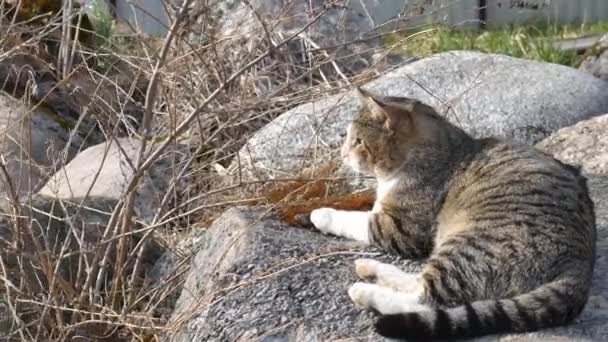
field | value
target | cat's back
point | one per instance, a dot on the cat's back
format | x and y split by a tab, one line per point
514	187
528	210
502	170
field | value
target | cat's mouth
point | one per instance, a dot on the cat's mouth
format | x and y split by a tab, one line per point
356	165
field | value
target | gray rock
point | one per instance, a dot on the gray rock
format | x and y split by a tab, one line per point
34	144
164	272
528	134
172	268
597	64
342	21
347	31
585	143
260	280
337	25
106	170
485	94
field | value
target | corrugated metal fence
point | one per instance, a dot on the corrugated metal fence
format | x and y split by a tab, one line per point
147	16
150	16
563	11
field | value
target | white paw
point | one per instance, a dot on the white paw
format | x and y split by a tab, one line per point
366	268
361	293
384	300
322	219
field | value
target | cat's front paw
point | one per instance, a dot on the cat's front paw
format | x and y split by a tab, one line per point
322	219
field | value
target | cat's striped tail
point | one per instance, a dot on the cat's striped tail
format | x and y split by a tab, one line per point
553	304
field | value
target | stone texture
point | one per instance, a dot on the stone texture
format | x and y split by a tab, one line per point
106	170
585	143
342	21
34	144
337	25
597	65
486	94
344	33
260	280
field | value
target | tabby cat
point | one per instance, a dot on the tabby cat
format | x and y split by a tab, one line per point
508	231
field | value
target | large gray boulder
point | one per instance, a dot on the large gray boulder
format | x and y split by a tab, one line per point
105	170
255	277
258	279
34	144
486	94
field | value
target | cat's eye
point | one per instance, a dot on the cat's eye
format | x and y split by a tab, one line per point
358	141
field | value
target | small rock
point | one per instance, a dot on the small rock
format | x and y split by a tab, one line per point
585	143
34	144
597	63
106	170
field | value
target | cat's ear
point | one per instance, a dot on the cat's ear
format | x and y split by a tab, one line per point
383	109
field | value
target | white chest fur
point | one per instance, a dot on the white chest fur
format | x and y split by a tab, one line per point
384	187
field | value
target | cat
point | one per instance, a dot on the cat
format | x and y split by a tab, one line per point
508	232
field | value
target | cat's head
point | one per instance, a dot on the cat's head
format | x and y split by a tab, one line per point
387	131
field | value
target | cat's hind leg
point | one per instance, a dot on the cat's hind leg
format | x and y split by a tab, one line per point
387	275
384	300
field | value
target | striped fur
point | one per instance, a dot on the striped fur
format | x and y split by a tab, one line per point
509	231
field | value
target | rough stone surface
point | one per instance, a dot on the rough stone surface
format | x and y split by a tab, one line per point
597	65
486	94
270	281
342	21
33	144
106	170
585	143
260	280
348	32
337	25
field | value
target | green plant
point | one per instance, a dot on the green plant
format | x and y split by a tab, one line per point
531	41
104	23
